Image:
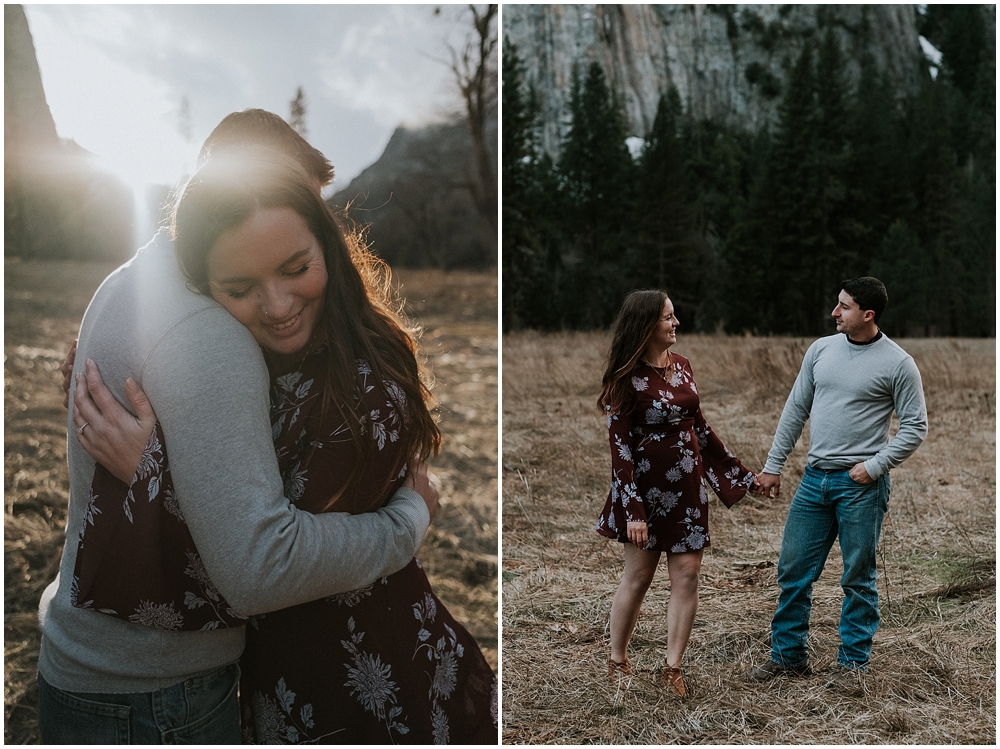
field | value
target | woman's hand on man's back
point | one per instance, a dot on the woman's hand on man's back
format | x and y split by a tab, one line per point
111	435
422	483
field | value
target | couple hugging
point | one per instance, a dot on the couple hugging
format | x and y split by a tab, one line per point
244	555
663	454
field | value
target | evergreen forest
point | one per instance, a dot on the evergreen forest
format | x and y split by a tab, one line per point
754	231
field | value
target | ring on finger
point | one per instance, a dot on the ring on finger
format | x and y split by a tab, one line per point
85	425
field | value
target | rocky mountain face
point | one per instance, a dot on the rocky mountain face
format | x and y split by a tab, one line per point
416	200
26	118
57	204
728	62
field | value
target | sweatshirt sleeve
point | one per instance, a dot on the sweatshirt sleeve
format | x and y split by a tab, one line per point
908	400
793	416
208	383
625	497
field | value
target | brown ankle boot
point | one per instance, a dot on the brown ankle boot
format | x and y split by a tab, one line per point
616	669
673	680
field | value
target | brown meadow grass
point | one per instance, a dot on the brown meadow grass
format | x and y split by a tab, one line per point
43	305
933	671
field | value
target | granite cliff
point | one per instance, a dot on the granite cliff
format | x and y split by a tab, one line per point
728	62
57	204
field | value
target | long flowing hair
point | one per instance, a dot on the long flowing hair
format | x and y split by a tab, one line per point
631	333
362	319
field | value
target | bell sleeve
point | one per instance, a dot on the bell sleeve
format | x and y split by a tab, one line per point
136	559
625	499
727	476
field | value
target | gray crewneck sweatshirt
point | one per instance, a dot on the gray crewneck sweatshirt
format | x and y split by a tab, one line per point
848	391
206	378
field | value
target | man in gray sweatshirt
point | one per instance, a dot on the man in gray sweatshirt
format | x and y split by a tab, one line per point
107	680
848	387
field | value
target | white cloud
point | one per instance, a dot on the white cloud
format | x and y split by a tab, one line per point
114	74
370	70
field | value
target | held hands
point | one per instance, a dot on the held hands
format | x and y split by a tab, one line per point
423	484
638	534
111	435
767	485
860	474
766	482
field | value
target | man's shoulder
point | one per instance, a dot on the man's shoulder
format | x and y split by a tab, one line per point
826	342
894	350
819	347
152	283
148	301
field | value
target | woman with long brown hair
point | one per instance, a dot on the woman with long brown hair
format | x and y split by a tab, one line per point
386	663
662	453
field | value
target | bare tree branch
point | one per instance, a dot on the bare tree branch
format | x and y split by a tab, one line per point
475	70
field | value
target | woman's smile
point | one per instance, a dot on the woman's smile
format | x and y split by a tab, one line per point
283	327
269	273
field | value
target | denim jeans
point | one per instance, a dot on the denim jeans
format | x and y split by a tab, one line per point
203	709
828	504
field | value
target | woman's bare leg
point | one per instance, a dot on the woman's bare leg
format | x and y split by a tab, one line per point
640	566
684	570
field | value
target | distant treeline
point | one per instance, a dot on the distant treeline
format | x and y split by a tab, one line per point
754	231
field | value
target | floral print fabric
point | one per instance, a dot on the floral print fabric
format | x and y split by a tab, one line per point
136	559
662	455
385	664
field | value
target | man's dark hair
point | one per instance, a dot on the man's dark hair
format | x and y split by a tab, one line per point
257	127
868	292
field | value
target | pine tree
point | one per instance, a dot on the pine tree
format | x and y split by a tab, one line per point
799	229
753	299
975	231
597	176
936	180
905	267
671	252
840	254
525	283
184	119
298	113
959	31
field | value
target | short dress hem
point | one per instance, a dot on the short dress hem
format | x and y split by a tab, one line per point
663	454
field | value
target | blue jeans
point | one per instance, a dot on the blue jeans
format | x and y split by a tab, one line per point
203	709
828	504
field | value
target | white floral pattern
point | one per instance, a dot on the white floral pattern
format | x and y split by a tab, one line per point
369	680
156	543
210	595
158	615
356	676
445	653
351	597
662	455
150	469
276	721
90	514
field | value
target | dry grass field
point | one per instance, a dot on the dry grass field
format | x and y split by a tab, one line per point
43	305
933	673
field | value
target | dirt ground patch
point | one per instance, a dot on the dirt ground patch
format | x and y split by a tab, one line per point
934	664
43	305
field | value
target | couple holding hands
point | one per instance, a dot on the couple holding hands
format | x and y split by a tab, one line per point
663	453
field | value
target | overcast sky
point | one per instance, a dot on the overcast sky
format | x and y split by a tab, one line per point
115	75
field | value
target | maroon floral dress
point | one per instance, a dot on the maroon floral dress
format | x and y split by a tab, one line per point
662	454
383	664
